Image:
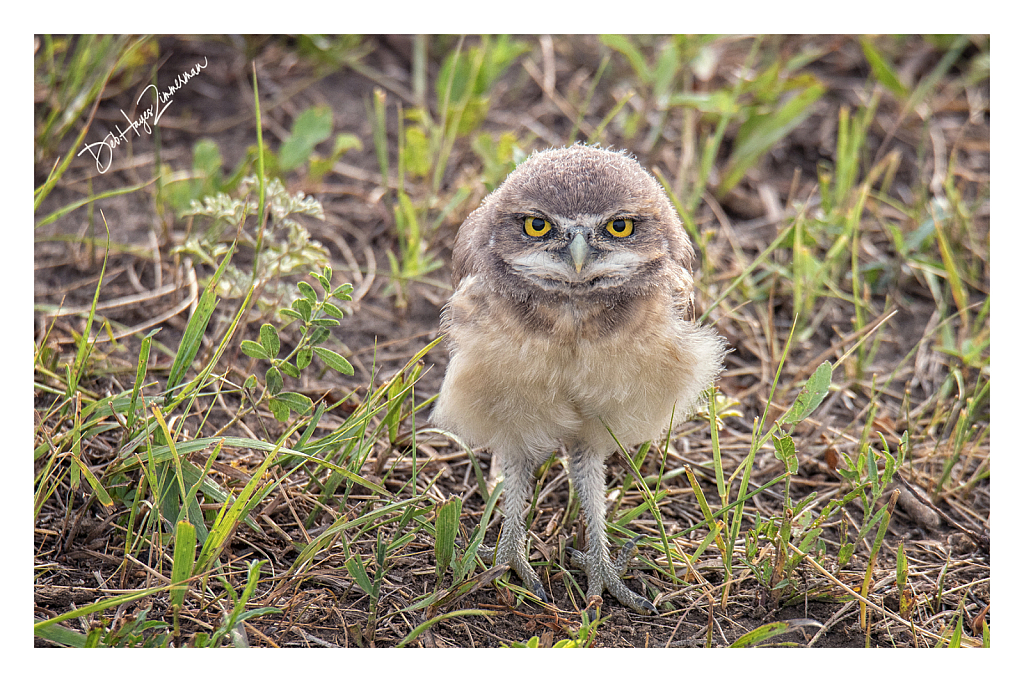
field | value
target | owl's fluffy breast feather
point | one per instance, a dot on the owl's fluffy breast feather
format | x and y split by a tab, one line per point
517	389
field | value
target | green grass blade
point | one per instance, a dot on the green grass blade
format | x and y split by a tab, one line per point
447	525
875	548
85	343
60	634
254	490
767	631
762	132
183	562
64	210
355	567
420	629
101	605
196	328
883	70
140	377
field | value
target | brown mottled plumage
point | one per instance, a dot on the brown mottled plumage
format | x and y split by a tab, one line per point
560	331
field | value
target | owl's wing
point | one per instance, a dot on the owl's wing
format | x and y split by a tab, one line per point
466	250
682	302
683	256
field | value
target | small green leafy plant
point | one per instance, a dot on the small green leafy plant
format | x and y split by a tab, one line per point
316	316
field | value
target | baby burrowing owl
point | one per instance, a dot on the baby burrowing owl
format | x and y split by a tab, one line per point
572	320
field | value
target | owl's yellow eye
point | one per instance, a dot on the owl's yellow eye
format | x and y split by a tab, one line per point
620	227
536	227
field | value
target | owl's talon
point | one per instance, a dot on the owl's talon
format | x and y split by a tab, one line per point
539	592
628	597
531	583
521	565
627	552
607	575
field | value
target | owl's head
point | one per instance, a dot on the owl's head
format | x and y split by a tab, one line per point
577	220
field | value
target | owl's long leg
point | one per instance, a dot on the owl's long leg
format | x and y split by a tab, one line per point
511	547
586	470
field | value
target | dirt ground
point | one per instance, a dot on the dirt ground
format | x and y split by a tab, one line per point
79	545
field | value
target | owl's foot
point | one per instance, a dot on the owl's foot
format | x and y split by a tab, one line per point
520	564
603	574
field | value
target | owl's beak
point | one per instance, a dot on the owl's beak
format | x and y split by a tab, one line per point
579	249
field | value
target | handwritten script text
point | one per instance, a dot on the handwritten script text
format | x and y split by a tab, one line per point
103	152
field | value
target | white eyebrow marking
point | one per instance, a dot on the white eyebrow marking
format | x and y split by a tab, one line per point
584	219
